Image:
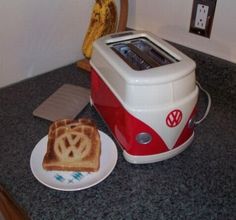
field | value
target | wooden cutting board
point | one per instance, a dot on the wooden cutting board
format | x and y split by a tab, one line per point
9	210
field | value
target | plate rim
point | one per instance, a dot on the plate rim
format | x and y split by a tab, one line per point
103	177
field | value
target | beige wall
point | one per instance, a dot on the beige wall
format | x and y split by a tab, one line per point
37	36
170	20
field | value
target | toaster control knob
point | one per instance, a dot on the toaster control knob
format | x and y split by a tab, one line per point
143	138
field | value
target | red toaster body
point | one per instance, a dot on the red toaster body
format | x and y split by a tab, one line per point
149	126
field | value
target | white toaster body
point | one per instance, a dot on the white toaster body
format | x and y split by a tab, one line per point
152	87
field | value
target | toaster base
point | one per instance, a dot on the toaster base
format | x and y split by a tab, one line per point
157	157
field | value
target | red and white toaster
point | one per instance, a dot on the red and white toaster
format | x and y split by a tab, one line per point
145	90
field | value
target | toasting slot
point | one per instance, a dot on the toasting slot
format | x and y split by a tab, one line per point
142	54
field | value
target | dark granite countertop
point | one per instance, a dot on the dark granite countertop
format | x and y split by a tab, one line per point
199	183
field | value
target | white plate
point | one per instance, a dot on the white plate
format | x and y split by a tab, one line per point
72	181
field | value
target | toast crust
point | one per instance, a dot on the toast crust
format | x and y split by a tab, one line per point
73	145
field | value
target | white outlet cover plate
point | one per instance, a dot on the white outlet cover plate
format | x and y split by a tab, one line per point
201	16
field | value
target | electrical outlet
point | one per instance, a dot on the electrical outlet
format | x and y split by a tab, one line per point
202	17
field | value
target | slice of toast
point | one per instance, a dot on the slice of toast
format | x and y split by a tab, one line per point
73	145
